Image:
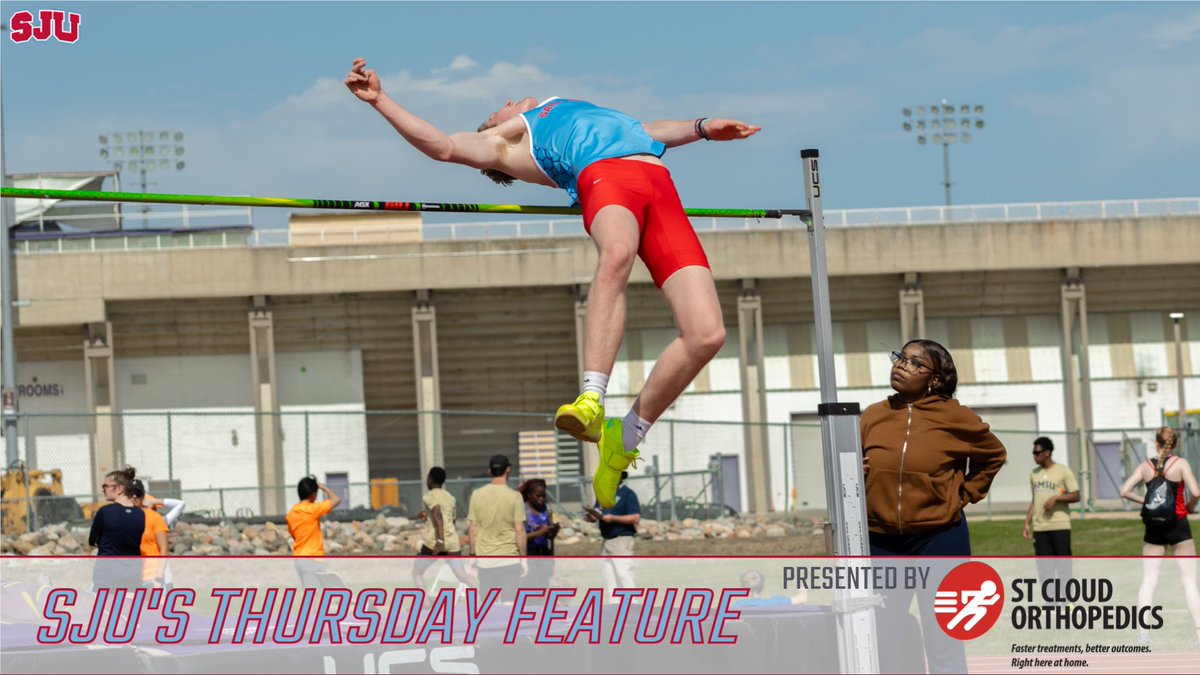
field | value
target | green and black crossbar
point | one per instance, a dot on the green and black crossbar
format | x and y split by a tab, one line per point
357	204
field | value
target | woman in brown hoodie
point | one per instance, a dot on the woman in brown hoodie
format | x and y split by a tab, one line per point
925	456
916	447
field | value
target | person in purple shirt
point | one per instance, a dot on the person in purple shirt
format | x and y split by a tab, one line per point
540	527
540	530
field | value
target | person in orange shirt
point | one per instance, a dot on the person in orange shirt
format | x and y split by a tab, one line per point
170	510
304	524
154	538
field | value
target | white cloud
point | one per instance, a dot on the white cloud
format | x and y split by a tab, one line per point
1175	33
952	54
1143	109
324	94
459	62
499	81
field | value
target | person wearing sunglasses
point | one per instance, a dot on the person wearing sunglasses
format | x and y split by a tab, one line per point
1048	521
925	456
117	533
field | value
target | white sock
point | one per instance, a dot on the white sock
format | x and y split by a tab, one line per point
634	431
595	381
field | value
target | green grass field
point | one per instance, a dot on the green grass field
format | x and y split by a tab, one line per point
1091	536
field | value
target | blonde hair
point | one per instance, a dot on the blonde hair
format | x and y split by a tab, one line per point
1166	439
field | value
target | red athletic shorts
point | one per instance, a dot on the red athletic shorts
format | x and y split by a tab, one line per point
668	242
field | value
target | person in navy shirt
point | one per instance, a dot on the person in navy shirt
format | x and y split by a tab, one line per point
117	534
618	528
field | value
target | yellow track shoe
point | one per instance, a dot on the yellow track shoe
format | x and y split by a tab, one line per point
613	460
583	418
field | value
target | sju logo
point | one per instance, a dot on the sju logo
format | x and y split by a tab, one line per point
63	26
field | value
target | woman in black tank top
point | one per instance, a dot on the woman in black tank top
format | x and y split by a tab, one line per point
1176	535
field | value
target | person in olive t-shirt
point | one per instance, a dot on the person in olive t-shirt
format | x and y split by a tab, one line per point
1049	518
440	538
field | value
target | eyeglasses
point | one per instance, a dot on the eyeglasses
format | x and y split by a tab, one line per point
911	365
106	486
1039	451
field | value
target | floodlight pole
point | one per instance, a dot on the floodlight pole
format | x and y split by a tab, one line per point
946	173
174	141
944	129
8	358
853	608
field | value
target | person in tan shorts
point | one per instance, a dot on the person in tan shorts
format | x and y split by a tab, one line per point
440	538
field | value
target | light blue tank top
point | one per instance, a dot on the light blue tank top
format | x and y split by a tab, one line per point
568	136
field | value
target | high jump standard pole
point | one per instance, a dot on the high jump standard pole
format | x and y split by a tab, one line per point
853	608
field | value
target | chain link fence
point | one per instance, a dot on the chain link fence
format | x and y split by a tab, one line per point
688	468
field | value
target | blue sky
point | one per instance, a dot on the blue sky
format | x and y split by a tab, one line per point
1084	101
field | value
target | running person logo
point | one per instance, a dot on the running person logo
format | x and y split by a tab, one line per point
969	601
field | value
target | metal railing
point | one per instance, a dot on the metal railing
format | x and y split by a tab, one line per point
128	219
143	242
1019	212
573	227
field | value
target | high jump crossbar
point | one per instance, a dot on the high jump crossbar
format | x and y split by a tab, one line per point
357	204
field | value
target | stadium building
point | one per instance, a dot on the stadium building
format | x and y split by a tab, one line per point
364	347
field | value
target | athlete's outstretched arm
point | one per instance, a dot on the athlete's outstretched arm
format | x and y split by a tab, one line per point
674	133
479	150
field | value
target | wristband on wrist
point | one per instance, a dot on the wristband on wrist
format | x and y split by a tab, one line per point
700	128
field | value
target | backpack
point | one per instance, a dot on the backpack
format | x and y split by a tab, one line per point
1158	509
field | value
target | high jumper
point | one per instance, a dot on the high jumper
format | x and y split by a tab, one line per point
610	163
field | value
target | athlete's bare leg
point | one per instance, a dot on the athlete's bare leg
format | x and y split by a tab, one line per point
615	233
1152	556
692	295
1185	556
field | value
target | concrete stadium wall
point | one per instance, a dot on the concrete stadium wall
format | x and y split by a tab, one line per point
507	337
66	288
